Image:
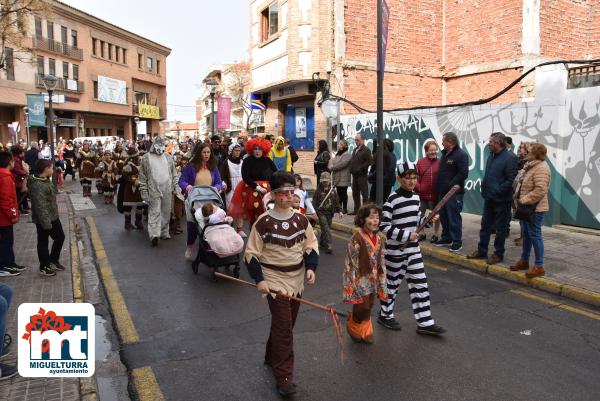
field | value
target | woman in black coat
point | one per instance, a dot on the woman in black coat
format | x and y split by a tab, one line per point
322	160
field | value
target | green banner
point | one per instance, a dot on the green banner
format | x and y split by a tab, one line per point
36	110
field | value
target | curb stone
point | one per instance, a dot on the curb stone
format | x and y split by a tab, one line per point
88	387
502	271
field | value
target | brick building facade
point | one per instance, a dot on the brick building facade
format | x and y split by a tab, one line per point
439	51
81	51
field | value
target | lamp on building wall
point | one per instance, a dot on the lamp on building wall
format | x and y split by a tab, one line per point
331	110
211	85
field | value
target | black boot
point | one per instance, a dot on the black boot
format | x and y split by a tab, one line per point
128	225
138	221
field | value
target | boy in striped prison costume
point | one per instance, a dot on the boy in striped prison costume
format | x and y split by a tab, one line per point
403	257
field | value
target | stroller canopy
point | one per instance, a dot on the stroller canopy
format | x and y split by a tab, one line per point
203	193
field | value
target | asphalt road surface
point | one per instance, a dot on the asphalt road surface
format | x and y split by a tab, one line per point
205	340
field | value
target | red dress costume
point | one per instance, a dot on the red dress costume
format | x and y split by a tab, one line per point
246	202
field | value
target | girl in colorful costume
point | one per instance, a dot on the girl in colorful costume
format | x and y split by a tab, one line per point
364	273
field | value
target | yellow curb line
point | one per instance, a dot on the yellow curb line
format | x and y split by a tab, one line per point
122	317
569	308
145	384
502	271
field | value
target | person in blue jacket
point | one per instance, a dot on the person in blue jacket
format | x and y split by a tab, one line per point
497	192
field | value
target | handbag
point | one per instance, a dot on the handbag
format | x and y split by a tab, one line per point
524	212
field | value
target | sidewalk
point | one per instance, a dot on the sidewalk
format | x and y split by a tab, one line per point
29	286
570	258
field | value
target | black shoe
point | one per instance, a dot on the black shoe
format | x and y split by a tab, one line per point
434	239
7	371
286	390
352	214
154	241
57	266
443	242
433	330
18	267
422	237
9	271
455	247
24	212
47	271
389	323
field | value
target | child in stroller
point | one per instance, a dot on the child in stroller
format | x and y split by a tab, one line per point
220	244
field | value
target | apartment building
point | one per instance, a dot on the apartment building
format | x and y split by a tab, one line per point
108	78
439	52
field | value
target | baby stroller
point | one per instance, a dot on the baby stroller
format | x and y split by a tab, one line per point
198	196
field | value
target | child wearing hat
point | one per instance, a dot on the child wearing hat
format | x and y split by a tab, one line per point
327	203
401	217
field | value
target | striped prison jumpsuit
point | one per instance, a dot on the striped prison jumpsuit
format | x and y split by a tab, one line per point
400	218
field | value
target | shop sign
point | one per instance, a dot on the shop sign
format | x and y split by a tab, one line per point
149	111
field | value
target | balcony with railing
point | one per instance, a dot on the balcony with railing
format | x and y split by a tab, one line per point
65	85
57	47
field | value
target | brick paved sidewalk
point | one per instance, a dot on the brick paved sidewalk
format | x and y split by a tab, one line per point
569	257
31	287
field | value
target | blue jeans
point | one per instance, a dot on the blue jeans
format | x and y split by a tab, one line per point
495	215
451	219
7	239
5	298
531	232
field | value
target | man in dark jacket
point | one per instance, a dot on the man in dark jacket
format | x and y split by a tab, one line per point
497	191
359	167
454	169
32	156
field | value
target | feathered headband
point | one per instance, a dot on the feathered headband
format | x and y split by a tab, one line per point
264	144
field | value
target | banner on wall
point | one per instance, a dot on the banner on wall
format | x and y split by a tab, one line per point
112	90
223	112
36	110
300	122
149	111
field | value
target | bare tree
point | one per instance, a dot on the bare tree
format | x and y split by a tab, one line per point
14	27
239	89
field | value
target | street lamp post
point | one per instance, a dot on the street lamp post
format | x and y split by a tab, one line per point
380	137
212	84
26	111
50	82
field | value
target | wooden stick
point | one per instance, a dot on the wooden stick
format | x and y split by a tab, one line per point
301	300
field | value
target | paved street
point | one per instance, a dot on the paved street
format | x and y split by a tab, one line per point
205	340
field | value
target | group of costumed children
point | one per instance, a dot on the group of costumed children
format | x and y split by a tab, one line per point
282	250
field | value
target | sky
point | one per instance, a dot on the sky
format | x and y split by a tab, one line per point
200	33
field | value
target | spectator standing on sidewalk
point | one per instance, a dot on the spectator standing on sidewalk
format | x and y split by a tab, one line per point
531	189
9	216
46	219
340	171
6	292
454	169
32	156
521	160
21	171
428	168
496	190
322	160
359	167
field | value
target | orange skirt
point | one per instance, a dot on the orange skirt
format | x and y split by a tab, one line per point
246	202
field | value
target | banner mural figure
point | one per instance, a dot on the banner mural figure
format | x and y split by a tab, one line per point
567	121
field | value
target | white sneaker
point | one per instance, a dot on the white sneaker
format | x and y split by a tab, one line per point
189	253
